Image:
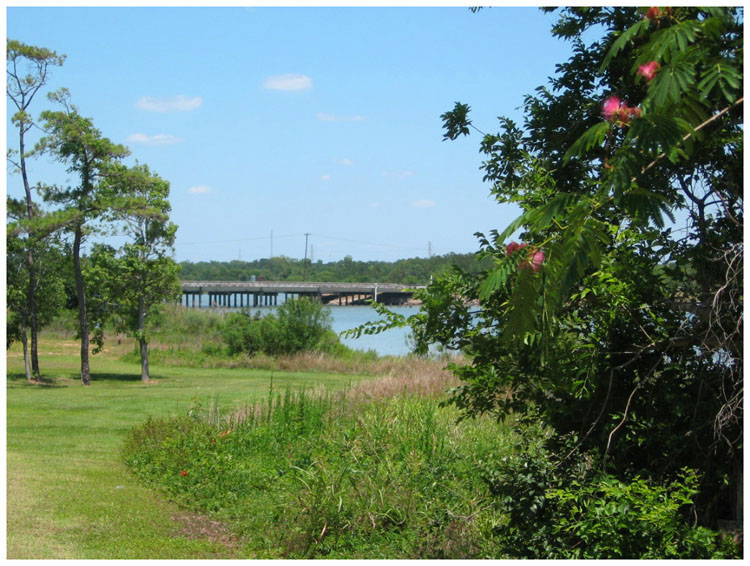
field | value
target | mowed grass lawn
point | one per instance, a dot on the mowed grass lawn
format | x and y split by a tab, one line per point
68	494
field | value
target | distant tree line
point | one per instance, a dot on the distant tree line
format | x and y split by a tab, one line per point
413	271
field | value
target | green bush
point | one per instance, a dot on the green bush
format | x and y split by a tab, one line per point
578	512
299	325
302	323
242	334
608	518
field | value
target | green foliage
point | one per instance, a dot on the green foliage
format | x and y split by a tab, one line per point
613	519
133	284
50	275
299	325
628	315
302	323
575	512
320	476
414	271
28	68
244	334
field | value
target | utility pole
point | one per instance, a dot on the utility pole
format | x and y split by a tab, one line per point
304	265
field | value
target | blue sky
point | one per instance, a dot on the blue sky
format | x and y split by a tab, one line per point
288	121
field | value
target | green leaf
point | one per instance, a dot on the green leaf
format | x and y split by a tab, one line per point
671	82
495	279
592	137
626	37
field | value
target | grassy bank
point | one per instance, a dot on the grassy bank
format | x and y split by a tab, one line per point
369	473
235	462
68	494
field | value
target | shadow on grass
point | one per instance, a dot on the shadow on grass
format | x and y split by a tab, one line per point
126	377
19	378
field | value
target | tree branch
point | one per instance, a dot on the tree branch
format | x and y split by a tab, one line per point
696	129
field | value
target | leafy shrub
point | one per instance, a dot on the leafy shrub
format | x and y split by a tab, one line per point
563	512
300	324
608	518
242	334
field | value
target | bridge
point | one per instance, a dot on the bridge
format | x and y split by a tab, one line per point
266	293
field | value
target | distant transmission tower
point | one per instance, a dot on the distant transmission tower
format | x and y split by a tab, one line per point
429	249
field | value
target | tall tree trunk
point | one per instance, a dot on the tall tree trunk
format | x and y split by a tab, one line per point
33	314
82	320
30	258
145	376
25	342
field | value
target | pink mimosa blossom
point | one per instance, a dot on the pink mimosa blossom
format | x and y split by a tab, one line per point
616	111
537	260
611	108
533	262
513	247
648	71
653	13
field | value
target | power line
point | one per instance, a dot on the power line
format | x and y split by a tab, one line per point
237	240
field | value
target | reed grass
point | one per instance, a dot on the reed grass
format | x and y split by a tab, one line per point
380	470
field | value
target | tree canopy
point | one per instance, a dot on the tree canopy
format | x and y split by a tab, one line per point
616	314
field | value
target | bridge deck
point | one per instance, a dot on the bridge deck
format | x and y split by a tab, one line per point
258	293
293	287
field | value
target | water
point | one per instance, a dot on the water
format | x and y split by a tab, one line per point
392	342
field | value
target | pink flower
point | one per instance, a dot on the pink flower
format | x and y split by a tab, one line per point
653	13
513	247
616	111
537	260
611	108
533	262
648	71
534	259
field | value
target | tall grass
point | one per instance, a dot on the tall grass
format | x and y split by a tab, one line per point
377	471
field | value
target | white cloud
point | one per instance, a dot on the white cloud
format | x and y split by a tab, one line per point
200	190
331	118
287	82
179	103
346	162
325	178
158	139
423	204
